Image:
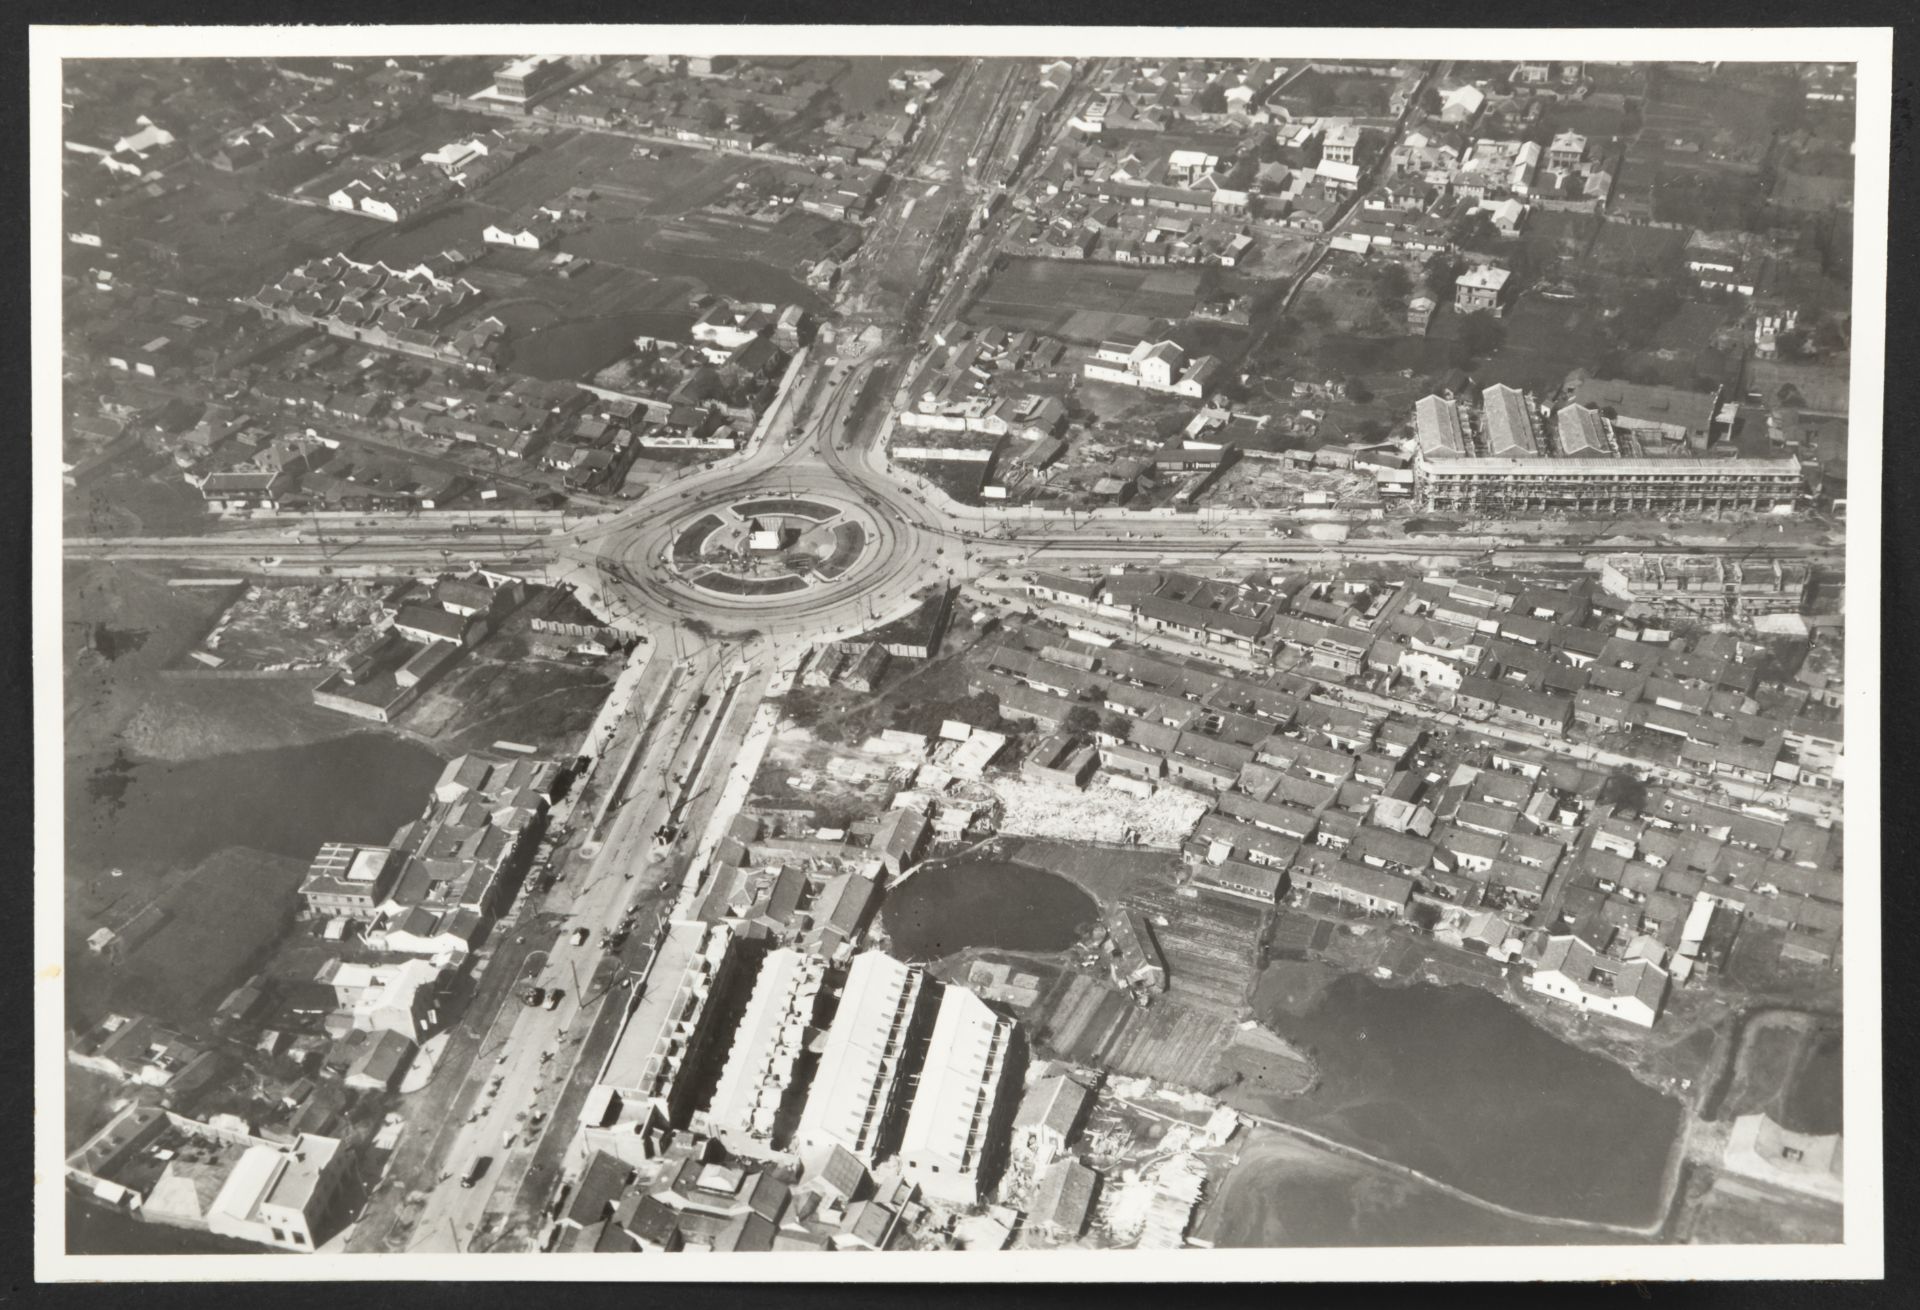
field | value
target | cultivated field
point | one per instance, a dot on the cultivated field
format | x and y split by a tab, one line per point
1211	946
1081	301
1088	1022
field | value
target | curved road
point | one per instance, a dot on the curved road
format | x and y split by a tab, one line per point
907	543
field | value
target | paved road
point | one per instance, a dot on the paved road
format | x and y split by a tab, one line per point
534	1055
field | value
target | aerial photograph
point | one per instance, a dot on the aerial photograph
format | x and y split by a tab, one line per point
814	653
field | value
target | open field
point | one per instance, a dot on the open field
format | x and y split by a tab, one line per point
1742	1211
132	504
1633	250
401	245
728	267
116	698
221	920
1543	341
1102	872
1081	301
792	242
224	238
560	162
545	704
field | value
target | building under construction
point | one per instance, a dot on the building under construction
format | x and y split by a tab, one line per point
1708	588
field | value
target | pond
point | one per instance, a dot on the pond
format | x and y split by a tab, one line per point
146	816
565	352
1814	1100
947	907
1457	1083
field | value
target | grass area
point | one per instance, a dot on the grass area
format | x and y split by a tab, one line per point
126	504
581	159
1108	875
1543	341
539	703
222	237
222	920
1085	302
733	586
117	699
1634	250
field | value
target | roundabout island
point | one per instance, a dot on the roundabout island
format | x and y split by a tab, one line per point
804	540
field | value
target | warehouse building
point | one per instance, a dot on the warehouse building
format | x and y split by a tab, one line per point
955	1130
860	1082
757	1081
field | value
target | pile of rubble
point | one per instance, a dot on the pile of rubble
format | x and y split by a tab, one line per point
1098	814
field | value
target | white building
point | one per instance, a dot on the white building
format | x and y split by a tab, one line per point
767	1046
951	1128
857	1085
667	1032
1572	971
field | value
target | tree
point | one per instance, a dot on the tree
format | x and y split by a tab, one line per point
1314	310
1213	99
1082	720
1441	270
1425	915
1393	284
1356	391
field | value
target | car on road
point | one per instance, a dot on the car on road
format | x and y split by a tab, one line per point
580	936
553	998
475	1170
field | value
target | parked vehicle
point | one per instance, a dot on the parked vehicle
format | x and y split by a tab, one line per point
580	936
475	1170
553	998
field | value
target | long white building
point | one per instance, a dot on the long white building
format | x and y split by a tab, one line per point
858	1085
666	1036
950	1134
768	1044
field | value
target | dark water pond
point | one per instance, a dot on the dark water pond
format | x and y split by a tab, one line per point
568	351
1813	1103
1278	1203
1458	1084
145	816
944	908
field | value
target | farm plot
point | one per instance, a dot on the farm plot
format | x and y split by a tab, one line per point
1211	948
1170	1043
1078	1017
1083	302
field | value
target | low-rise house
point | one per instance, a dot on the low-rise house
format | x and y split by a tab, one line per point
1569	970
